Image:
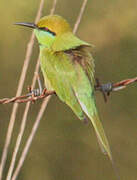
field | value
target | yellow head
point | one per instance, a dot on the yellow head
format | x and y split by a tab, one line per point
55	24
48	29
54	32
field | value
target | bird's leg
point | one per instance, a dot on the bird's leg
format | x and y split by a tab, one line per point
106	89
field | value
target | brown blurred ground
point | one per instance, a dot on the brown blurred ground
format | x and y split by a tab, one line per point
64	148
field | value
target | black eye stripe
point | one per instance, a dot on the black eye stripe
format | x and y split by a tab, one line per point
46	29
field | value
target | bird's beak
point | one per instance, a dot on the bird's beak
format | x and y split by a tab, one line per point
30	25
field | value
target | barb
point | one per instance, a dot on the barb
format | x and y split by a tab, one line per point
108	88
19	90
26	98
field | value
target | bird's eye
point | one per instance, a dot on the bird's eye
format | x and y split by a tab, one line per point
48	30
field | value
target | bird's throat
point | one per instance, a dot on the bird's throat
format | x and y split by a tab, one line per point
44	38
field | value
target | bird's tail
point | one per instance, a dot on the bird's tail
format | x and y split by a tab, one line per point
89	108
100	133
102	139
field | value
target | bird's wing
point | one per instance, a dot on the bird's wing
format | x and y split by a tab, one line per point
84	91
58	72
71	74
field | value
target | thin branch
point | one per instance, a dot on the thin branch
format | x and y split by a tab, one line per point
19	90
106	88
21	131
53	7
30	138
80	16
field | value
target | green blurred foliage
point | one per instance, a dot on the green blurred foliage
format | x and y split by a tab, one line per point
64	148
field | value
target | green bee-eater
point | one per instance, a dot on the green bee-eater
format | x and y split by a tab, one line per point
68	69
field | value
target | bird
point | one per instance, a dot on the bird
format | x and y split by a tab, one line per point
68	69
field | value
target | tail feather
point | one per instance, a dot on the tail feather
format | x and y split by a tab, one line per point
101	136
92	114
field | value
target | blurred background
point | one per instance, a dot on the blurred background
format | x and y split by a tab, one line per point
64	148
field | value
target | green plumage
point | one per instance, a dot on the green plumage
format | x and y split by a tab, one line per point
68	69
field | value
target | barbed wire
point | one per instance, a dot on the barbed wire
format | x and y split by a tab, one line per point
33	95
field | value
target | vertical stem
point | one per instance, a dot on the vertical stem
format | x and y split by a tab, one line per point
30	138
53	7
18	93
79	16
22	128
15	106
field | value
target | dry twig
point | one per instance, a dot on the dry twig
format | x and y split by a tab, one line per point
21	131
53	7
19	90
30	138
79	16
